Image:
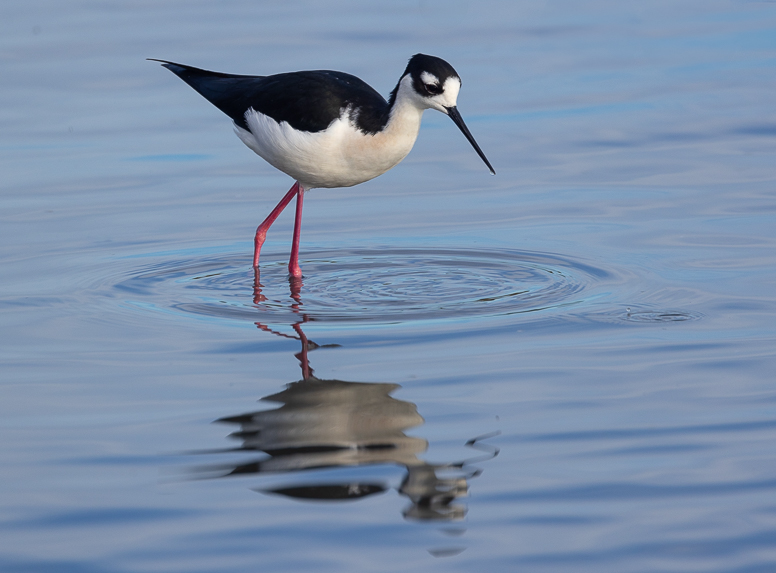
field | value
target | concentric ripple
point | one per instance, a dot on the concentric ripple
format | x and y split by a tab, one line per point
651	316
387	285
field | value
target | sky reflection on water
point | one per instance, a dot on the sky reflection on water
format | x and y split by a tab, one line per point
601	312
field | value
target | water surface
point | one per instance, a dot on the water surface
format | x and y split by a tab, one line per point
566	367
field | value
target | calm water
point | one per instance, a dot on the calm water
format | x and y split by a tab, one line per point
566	367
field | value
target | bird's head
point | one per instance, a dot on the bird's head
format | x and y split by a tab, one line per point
435	84
431	83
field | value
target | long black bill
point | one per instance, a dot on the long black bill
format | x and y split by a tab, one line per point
458	120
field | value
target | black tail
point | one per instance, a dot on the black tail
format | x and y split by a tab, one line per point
230	93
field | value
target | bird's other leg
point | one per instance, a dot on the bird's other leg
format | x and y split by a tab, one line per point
261	232
293	262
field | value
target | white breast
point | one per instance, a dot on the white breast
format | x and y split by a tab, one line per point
341	155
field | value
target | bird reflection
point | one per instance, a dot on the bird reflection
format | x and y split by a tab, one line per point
321	424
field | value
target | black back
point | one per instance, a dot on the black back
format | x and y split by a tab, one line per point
307	101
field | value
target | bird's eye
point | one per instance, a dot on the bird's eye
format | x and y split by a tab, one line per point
433	89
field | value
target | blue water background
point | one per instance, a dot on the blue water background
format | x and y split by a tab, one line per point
599	317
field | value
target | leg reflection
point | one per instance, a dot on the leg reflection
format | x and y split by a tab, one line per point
322	424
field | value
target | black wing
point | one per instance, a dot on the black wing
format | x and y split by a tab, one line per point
307	101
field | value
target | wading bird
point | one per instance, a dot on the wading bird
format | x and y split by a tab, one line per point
325	128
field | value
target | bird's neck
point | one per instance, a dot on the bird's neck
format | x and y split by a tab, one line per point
370	155
405	110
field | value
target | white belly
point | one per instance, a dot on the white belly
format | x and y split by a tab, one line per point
340	156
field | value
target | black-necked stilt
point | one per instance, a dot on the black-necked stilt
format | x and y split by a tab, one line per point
325	128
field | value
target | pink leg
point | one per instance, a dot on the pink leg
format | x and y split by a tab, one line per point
293	262
261	232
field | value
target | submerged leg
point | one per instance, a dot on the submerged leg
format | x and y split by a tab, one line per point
261	232
293	262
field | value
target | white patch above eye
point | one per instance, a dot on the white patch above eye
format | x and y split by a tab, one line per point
428	78
450	90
